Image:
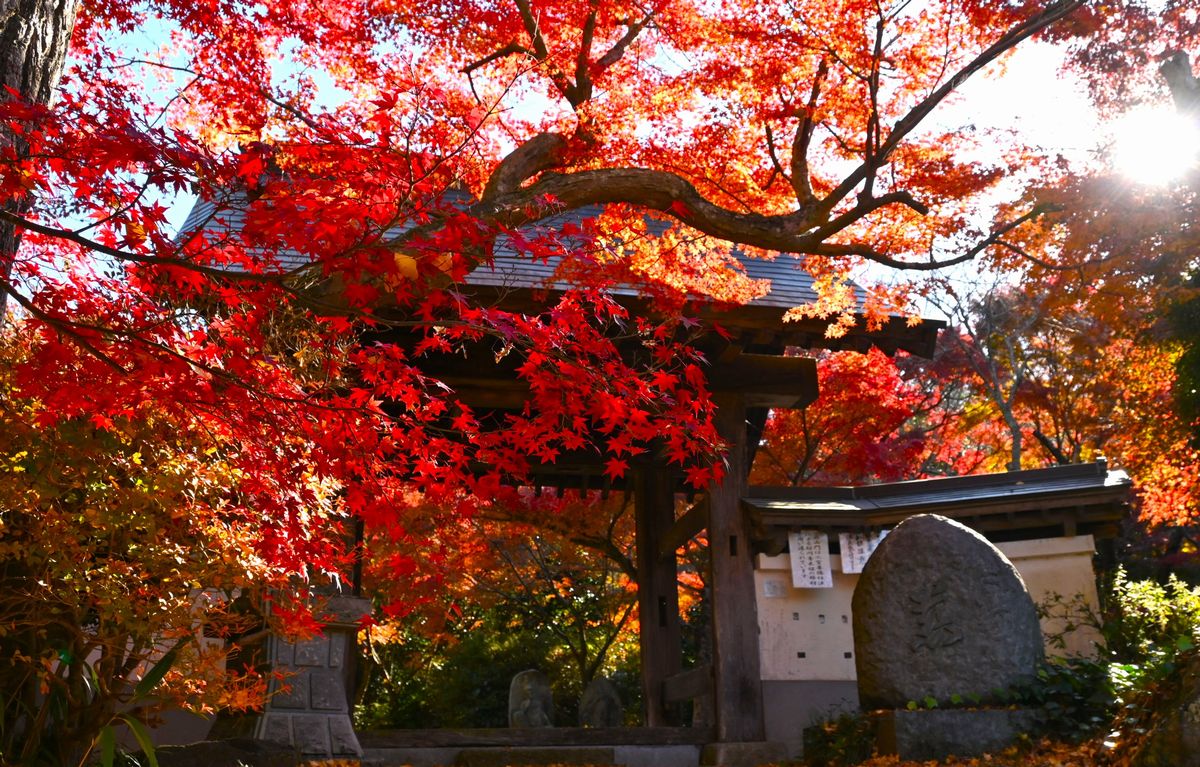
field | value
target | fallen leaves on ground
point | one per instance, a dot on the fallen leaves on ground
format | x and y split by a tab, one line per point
1043	754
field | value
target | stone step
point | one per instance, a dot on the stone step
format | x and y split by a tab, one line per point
519	756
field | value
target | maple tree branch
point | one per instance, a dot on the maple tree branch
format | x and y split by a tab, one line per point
293	111
509	50
865	207
541	52
906	124
802	231
800	180
614	54
74	330
778	166
1051	448
1078	265
610	550
542	152
995	238
531	28
583	80
505	200
274	278
871	154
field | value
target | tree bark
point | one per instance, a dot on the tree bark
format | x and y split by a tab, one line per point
34	37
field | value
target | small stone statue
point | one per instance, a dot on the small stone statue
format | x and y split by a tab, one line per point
600	705
530	703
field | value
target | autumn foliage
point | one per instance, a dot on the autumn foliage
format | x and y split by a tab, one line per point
124	541
297	318
354	161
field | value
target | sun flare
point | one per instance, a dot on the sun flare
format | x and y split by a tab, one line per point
1155	146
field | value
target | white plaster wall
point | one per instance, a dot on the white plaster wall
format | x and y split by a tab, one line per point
804	633
1059	575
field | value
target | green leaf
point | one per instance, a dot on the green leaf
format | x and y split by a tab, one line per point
930	701
912	705
956	699
142	735
108	745
1184	644
155	675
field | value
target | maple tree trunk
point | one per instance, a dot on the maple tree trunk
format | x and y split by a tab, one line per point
34	36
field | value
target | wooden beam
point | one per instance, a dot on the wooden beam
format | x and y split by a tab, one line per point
688	685
767	380
658	589
737	678
687	527
489	395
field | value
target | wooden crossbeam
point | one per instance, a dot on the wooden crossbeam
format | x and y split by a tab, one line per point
687	527
687	685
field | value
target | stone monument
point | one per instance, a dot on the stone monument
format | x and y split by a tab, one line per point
530	703
940	613
600	705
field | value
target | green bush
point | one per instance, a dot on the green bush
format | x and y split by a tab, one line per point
1143	618
1150	631
463	682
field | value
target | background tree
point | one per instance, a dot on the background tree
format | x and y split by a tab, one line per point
120	542
878	420
34	37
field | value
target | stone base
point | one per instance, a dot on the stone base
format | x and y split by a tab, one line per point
504	757
313	735
936	734
750	754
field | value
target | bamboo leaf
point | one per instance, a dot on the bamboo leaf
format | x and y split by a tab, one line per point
108	746
143	738
155	675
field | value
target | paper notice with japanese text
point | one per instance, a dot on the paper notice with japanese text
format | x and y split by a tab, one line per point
810	560
857	549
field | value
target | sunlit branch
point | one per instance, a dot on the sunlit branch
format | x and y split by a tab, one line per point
918	113
511	49
73	330
994	239
143	258
800	180
777	166
583	80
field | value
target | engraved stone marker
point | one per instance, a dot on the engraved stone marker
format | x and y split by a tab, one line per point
600	705
939	611
529	701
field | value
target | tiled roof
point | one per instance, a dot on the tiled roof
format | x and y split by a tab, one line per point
790	285
1036	491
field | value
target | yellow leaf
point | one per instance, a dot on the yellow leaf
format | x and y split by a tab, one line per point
406	265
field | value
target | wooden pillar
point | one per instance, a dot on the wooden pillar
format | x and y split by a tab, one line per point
737	679
658	589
